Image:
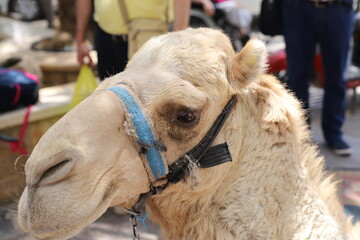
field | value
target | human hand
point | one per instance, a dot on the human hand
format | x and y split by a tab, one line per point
83	54
209	8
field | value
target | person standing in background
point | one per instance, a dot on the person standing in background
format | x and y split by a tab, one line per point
236	15
329	23
240	17
110	31
207	5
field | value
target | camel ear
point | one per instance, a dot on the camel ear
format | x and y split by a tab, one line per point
248	65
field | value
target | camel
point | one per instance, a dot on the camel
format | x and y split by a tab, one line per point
258	177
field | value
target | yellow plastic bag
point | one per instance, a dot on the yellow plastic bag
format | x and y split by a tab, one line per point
84	86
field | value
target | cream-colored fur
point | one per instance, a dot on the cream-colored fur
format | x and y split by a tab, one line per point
275	187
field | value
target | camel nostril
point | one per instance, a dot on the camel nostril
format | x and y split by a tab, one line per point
56	172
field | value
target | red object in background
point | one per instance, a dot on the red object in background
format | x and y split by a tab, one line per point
16	144
277	62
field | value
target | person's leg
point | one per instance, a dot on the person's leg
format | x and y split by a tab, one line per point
334	39
121	55
230	10
112	55
300	38
245	19
48	11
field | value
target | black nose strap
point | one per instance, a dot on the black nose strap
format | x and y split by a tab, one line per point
202	154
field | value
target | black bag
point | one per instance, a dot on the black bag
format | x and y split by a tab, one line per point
270	22
17	89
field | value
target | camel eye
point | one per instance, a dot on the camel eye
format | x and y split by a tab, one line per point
186	117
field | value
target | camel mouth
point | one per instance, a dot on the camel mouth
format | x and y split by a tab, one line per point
109	192
53	230
48	227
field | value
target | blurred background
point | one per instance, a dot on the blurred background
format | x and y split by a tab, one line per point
37	38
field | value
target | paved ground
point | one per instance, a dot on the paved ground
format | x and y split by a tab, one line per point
351	131
350	164
111	226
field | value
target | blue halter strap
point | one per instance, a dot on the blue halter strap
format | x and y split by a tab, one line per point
145	135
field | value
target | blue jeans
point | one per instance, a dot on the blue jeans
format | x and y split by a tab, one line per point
305	25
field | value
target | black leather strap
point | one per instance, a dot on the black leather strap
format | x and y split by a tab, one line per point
216	155
180	169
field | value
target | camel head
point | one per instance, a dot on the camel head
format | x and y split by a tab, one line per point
92	158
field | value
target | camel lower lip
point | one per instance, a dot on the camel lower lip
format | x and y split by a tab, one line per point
32	209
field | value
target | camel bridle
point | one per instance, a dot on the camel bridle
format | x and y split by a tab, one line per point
151	149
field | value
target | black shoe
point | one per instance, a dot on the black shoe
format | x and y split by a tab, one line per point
340	148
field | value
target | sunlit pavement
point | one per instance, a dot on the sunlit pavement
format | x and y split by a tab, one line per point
351	130
342	166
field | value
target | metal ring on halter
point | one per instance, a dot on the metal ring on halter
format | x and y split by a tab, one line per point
16	164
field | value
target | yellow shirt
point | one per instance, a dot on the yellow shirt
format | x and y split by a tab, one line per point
108	14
